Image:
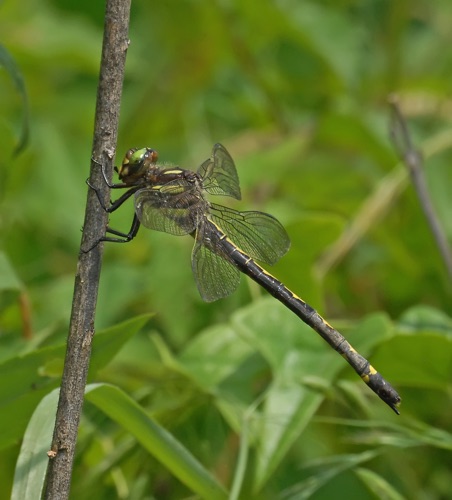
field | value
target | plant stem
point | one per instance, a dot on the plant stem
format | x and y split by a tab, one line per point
81	328
414	162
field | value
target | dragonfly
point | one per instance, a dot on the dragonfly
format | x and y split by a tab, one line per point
227	242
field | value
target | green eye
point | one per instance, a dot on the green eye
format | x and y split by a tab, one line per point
136	156
135	162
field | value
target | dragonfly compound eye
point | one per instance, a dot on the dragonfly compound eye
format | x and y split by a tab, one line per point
135	162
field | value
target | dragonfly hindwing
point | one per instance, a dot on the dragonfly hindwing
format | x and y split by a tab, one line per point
216	277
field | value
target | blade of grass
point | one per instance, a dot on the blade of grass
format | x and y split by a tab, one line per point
157	440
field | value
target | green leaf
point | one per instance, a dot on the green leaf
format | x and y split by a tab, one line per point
10	280
36	373
30	472
378	485
420	356
408	364
159	442
108	342
324	470
214	355
426	318
14	72
31	383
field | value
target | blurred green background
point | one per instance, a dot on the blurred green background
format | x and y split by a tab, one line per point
297	92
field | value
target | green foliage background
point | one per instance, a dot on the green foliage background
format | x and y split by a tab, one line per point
297	92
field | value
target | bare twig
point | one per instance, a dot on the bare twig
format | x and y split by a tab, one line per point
414	162
81	328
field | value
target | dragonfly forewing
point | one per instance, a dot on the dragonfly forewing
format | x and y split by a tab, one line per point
219	174
258	234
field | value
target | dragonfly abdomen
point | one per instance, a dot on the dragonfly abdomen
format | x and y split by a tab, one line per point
312	318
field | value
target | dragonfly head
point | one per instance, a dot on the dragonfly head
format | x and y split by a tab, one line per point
135	164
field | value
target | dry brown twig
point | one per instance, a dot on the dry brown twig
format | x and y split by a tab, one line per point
414	162
81	330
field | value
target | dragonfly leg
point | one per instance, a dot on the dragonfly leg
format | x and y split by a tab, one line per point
96	190
114	205
104	175
122	237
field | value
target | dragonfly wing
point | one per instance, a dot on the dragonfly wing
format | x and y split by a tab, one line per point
257	234
173	208
215	276
219	174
